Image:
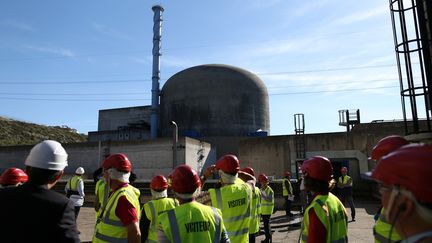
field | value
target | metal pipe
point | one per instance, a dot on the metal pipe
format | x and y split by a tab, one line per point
175	141
157	30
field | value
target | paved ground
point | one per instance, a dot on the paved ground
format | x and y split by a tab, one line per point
285	230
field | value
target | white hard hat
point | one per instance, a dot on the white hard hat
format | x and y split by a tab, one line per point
79	171
49	155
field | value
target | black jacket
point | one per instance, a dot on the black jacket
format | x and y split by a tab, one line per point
32	213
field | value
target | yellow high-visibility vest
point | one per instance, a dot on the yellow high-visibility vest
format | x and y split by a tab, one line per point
153	209
286	191
109	227
101	192
254	225
192	222
382	230
345	180
331	214
72	184
234	202
267	201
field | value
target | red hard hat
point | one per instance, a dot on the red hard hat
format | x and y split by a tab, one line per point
344	169
410	168
263	177
117	161
13	176
228	163
249	170
387	145
287	173
185	179
318	168
159	183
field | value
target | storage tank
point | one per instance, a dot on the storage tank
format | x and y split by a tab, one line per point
214	100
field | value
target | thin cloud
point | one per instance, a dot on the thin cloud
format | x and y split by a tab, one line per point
146	61
307	8
259	4
180	63
361	16
110	32
53	50
9	23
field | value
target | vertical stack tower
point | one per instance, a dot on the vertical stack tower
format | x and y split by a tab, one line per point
157	30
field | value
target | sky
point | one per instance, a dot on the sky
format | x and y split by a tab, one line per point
63	61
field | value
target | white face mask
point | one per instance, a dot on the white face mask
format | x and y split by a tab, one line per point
118	175
227	178
161	194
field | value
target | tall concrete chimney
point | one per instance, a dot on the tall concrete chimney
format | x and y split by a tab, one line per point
157	30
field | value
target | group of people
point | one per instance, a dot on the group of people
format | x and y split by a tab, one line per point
402	171
229	212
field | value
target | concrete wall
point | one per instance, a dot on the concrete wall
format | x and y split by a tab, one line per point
119	135
275	154
269	155
224	145
148	158
198	153
111	119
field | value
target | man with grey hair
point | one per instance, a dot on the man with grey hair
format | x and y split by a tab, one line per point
33	212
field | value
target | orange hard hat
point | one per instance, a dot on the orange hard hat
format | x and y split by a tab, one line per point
159	183
318	168
287	173
408	167
119	162
13	176
387	145
228	163
249	170
185	179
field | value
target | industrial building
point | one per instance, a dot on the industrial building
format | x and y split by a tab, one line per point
209	110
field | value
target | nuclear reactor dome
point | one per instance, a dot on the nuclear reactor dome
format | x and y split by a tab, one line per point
214	100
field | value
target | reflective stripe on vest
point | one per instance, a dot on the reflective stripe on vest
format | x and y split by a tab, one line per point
267	202
175	231
110	239
196	213
255	211
331	214
102	191
153	215
382	230
235	207
152	210
110	228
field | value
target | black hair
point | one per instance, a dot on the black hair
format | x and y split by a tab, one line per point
97	174
316	185
41	176
132	177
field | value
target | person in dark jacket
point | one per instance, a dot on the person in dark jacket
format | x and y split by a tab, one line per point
33	212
